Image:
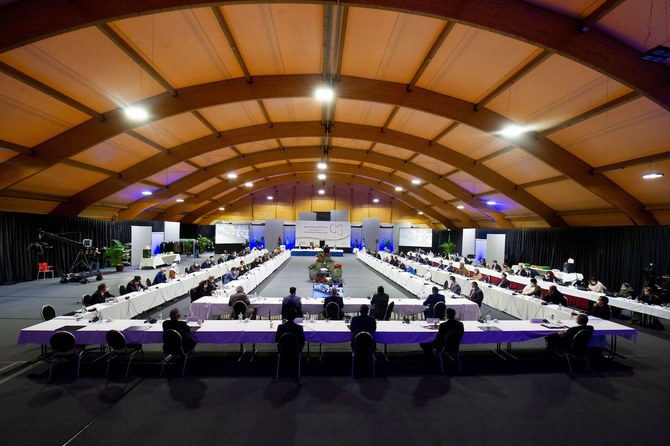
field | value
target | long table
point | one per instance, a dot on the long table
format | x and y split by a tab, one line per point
132	304
263	332
213	306
161	259
298	252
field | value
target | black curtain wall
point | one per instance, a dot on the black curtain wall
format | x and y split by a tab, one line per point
612	254
19	241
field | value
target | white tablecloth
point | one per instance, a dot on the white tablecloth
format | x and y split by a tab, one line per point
162	259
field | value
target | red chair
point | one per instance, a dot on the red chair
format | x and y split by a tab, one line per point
44	269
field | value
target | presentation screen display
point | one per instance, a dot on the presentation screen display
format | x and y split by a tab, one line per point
421	237
226	234
334	233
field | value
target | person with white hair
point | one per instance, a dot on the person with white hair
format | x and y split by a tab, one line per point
174	271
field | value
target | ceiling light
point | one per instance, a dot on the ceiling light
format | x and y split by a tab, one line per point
270	197
652	175
322	165
324	94
375	200
416	181
321	191
460	206
180	200
656	54
321	176
249	184
513	130
398	188
136	113
491	203
222	209
232	176
420	212
147	192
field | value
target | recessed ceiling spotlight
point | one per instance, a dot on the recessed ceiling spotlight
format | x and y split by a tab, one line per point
136	113
420	212
416	181
375	200
147	192
180	200
324	94
270	197
249	184
398	189
513	130
491	203
321	191
322	165
222	209
321	176
652	175
232	176
460	206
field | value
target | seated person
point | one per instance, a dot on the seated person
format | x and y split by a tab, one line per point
524	271
174	271
334	297
221	259
476	275
504	283
242	268
160	277
595	286
410	269
551	277
291	327
101	295
494	266
454	287
196	266
564	339
445	327
240	295
402	266
211	286
555	297
430	302
441	266
208	263
230	276
532	289
200	291
463	271
188	343
506	268
135	285
291	301
601	308
231	256
476	294
363	322
450	268
379	303
626	290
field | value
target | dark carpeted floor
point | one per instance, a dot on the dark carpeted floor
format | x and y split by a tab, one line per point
222	401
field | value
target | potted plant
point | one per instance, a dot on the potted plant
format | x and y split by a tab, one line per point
114	254
447	248
203	243
188	247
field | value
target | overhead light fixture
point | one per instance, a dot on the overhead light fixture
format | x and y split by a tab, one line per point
321	191
180	200
232	176
146	192
512	131
652	175
657	54
375	200
324	94
136	113
270	197
491	203
420	212
321	176
460	206
249	184
321	165
222	209
416	181
398	189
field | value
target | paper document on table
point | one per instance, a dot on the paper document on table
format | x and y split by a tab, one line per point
138	328
553	325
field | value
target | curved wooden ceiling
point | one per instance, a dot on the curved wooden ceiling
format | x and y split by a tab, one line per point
422	91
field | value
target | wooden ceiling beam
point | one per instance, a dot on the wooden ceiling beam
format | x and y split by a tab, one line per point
658	157
231	41
439	40
147	141
605	8
206	123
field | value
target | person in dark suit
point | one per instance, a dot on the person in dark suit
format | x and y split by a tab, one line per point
504	283
430	302
555	297
333	298
565	338
454	287
291	301
379	303
101	295
601	308
362	322
161	277
135	285
291	327
445	327
187	342
476	294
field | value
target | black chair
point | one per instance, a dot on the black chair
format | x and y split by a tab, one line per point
363	346
48	312
578	348
440	310
193	294
173	348
288	349
118	347
148	282
333	311
450	349
63	345
86	300
389	311
122	290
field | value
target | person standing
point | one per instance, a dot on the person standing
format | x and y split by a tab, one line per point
379	303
